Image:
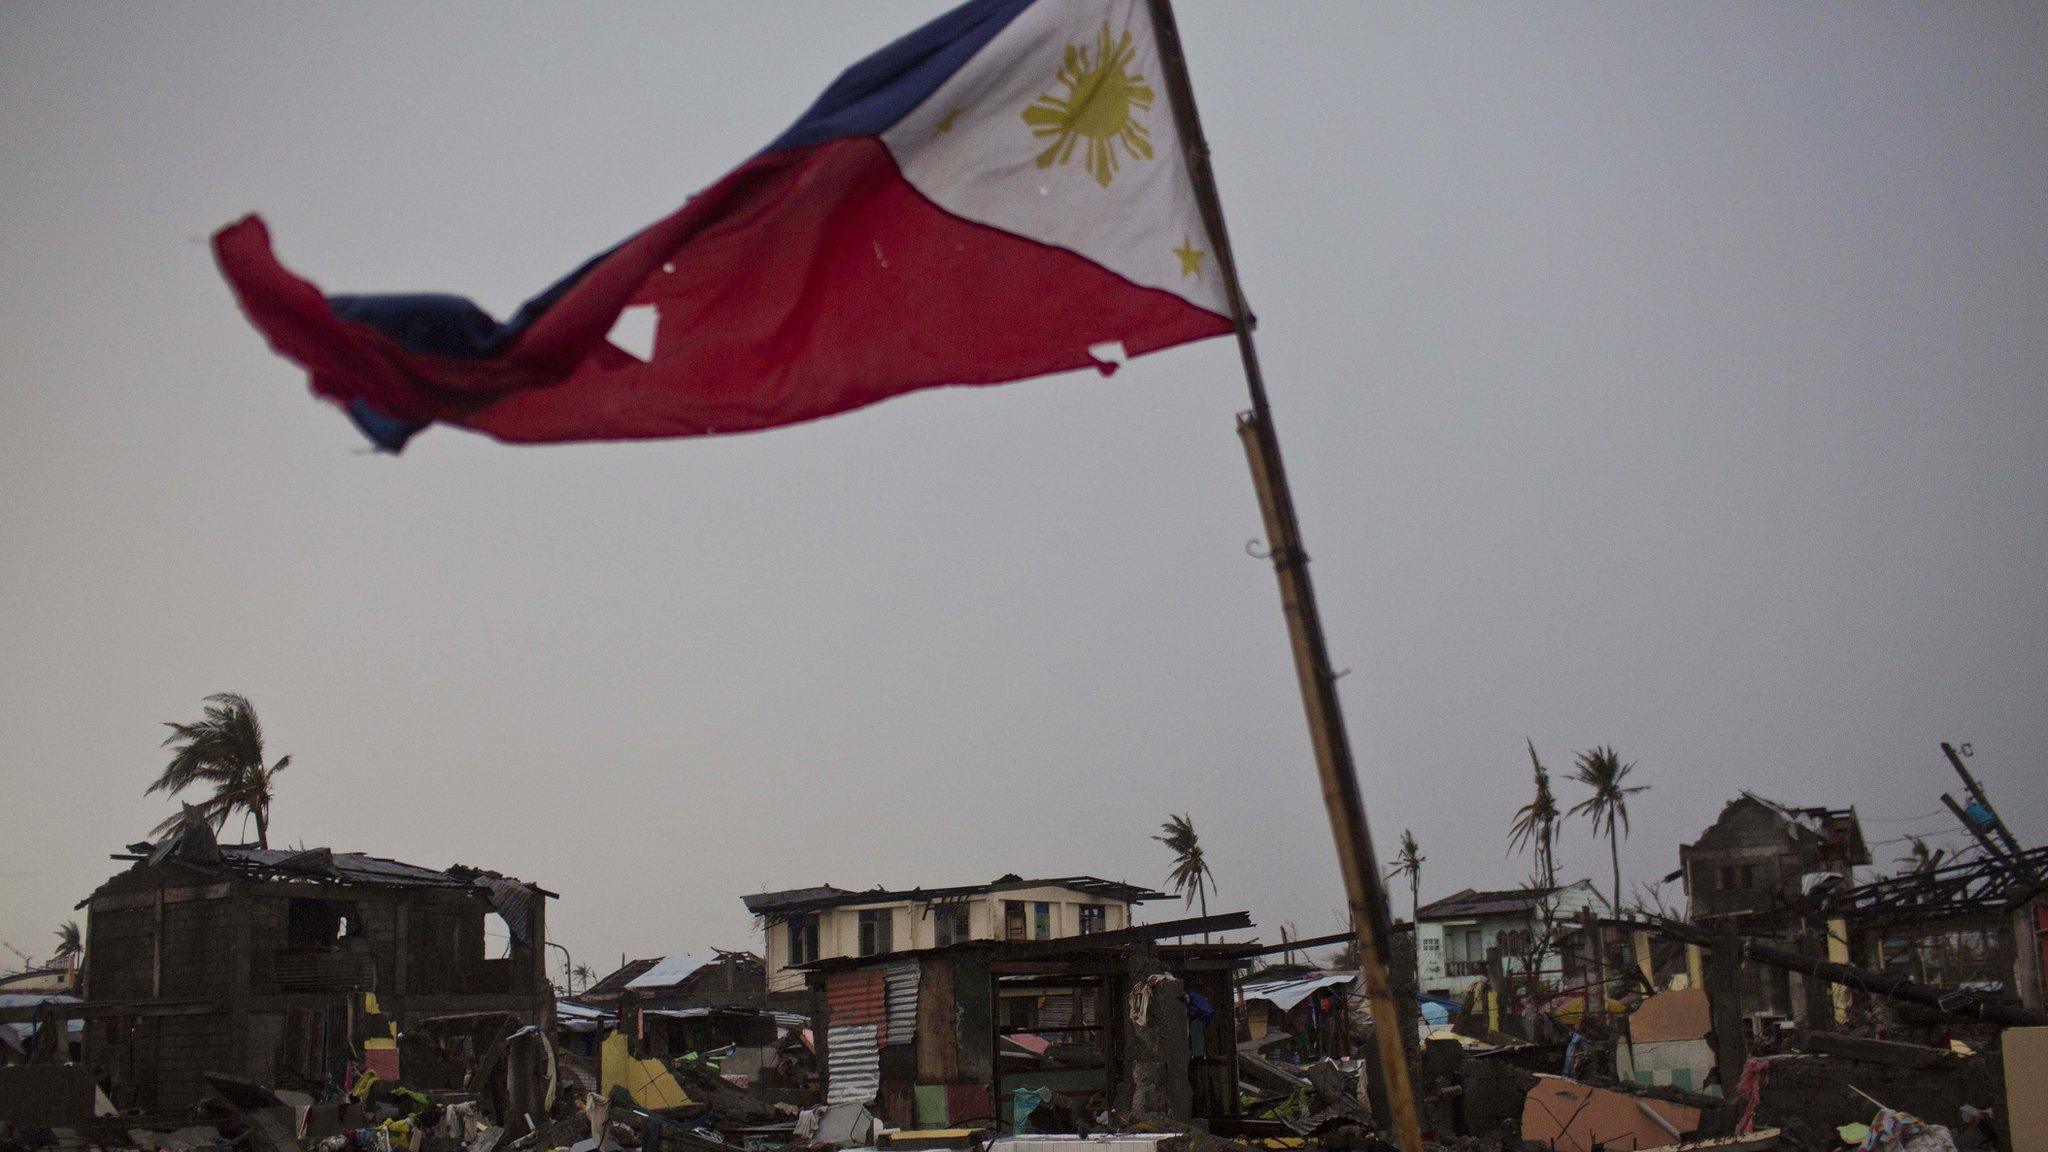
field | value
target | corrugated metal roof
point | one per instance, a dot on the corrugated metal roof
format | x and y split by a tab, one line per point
615	982
573	1017
853	1064
351	866
1285	994
673	970
900	983
856	998
1470	902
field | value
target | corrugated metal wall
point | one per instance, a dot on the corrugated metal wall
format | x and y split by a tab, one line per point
900	984
856	997
853	1063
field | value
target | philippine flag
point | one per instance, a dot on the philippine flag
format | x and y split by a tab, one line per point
996	195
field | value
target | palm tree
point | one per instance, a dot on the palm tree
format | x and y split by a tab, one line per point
225	749
1919	858
582	974
1408	862
1190	876
70	944
1603	772
1536	823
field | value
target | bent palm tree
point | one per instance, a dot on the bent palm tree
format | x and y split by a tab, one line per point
224	749
1190	876
1602	771
1536	823
70	944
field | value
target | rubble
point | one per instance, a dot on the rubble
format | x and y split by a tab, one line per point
1743	1032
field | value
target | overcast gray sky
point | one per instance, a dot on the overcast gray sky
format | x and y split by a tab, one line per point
1663	375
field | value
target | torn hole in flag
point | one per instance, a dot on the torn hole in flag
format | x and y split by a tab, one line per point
633	332
1108	356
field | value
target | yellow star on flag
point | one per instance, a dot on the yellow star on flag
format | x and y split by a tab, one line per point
1190	258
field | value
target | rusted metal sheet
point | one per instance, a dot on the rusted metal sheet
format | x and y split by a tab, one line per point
856	997
853	1063
900	994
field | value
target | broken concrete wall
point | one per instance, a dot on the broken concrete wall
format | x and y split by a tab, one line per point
1155	1081
1809	1096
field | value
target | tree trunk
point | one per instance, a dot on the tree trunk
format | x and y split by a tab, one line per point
1202	894
262	827
1614	850
1415	922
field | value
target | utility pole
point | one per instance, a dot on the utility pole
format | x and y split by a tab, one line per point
1990	824
1365	890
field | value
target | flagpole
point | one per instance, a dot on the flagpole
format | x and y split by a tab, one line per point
1364	890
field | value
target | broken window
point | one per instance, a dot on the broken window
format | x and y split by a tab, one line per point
949	924
803	939
1094	918
877	931
1014	925
1041	921
320	923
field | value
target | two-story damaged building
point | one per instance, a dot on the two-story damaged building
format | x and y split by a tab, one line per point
1757	870
289	967
802	926
1758	859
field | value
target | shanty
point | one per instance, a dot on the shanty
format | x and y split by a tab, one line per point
1024	576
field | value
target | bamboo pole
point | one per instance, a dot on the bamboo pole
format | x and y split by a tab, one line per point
1364	889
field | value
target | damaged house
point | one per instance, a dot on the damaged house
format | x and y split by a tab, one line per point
1980	925
805	925
709	979
1752	872
689	1001
288	967
1302	1016
956	1035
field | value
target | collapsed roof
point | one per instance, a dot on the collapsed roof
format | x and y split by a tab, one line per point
192	845
794	901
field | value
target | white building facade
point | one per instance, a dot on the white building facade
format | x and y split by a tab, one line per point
803	925
1456	937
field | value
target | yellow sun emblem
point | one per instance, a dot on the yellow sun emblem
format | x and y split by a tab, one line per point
1099	102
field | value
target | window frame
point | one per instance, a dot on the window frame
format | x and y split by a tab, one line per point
876	933
951	924
801	940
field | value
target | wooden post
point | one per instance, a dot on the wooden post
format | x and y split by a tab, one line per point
1365	892
1724	1009
156	947
1817	1008
1838	952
